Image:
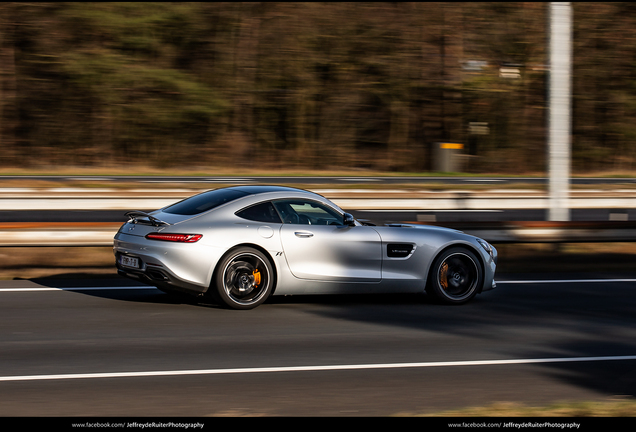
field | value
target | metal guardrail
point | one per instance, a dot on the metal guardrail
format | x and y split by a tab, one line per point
101	234
57	234
455	201
33	199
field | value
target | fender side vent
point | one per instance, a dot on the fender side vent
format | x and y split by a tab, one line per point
398	250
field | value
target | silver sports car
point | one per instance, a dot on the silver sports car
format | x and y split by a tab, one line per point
242	244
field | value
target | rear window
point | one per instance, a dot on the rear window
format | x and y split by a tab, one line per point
204	202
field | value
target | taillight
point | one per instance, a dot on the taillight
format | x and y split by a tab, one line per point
179	238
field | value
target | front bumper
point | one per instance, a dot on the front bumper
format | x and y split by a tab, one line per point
489	269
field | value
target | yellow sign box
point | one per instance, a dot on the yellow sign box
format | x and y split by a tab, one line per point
455	146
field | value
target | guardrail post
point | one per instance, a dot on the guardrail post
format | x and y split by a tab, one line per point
559	100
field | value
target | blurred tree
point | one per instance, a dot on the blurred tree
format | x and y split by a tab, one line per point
307	85
8	105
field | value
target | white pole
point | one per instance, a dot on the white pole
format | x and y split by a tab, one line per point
560	102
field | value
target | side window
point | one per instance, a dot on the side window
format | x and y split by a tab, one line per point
305	212
263	212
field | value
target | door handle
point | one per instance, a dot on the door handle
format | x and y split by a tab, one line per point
303	234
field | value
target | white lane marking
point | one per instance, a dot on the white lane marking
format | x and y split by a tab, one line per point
29	289
313	368
562	281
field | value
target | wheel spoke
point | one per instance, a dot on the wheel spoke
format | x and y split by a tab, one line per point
246	279
458	276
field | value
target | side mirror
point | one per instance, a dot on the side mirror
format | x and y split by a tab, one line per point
348	219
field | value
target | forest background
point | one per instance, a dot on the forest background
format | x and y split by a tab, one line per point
309	86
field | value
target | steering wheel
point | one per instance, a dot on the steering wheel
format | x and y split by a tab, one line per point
292	218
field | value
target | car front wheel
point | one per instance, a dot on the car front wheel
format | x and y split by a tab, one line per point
244	279
455	277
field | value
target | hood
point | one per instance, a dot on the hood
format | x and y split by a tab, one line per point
423	227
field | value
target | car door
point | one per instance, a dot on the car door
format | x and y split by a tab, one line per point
318	246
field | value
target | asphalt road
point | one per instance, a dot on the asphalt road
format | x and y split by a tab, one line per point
139	352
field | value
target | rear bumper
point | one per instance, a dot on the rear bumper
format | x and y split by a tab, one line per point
168	266
161	278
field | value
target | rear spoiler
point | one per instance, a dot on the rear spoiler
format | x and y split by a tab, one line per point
135	214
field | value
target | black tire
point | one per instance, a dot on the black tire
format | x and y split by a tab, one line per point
455	277
244	279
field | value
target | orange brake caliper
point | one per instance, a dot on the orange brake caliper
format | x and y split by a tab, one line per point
442	276
257	278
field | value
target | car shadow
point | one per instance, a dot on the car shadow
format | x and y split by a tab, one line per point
129	290
74	282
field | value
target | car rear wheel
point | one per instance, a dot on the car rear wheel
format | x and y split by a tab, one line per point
244	279
455	277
